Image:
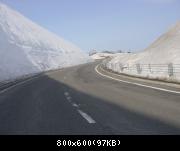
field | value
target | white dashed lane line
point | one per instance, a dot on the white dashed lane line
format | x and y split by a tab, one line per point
69	99
66	93
88	118
75	105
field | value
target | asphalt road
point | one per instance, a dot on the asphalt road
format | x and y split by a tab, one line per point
78	100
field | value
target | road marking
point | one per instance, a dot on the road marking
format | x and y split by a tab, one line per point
142	85
84	115
87	117
17	84
75	105
66	93
68	98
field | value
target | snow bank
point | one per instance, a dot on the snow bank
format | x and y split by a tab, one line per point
26	48
161	60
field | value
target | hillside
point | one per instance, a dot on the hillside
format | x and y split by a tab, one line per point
155	59
26	47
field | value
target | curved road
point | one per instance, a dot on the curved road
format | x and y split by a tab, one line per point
78	100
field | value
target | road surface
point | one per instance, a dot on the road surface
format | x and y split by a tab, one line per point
78	100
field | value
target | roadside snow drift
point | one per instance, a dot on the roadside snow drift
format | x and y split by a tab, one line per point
27	48
161	60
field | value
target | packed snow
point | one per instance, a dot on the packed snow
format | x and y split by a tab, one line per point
27	48
161	60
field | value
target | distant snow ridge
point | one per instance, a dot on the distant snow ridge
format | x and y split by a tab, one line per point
155	61
26	48
101	55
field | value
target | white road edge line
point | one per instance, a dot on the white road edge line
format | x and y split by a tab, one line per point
17	84
142	85
87	117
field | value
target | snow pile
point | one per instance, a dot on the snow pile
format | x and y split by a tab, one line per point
100	55
27	48
160	60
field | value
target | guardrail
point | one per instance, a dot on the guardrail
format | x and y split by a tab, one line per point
167	71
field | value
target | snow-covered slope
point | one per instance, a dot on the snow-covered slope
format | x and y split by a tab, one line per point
163	51
26	48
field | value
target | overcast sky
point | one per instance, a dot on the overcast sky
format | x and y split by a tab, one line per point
103	24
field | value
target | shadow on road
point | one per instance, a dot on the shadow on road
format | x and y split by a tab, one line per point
115	119
40	107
